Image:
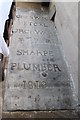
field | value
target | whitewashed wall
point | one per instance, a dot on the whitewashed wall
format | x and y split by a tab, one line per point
66	21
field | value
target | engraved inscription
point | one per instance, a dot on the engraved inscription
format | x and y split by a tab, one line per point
35	67
31	17
36	52
31	84
37	24
22	31
39	32
37	77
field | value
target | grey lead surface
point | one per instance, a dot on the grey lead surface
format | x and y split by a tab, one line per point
37	74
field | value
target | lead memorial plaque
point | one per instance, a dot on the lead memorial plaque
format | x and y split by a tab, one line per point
37	74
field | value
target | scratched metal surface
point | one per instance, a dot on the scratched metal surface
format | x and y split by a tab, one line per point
37	75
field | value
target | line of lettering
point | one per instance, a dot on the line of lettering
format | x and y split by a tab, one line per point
35	53
35	67
38	24
31	84
31	17
23	31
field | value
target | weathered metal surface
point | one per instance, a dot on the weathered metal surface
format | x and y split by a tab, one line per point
37	74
